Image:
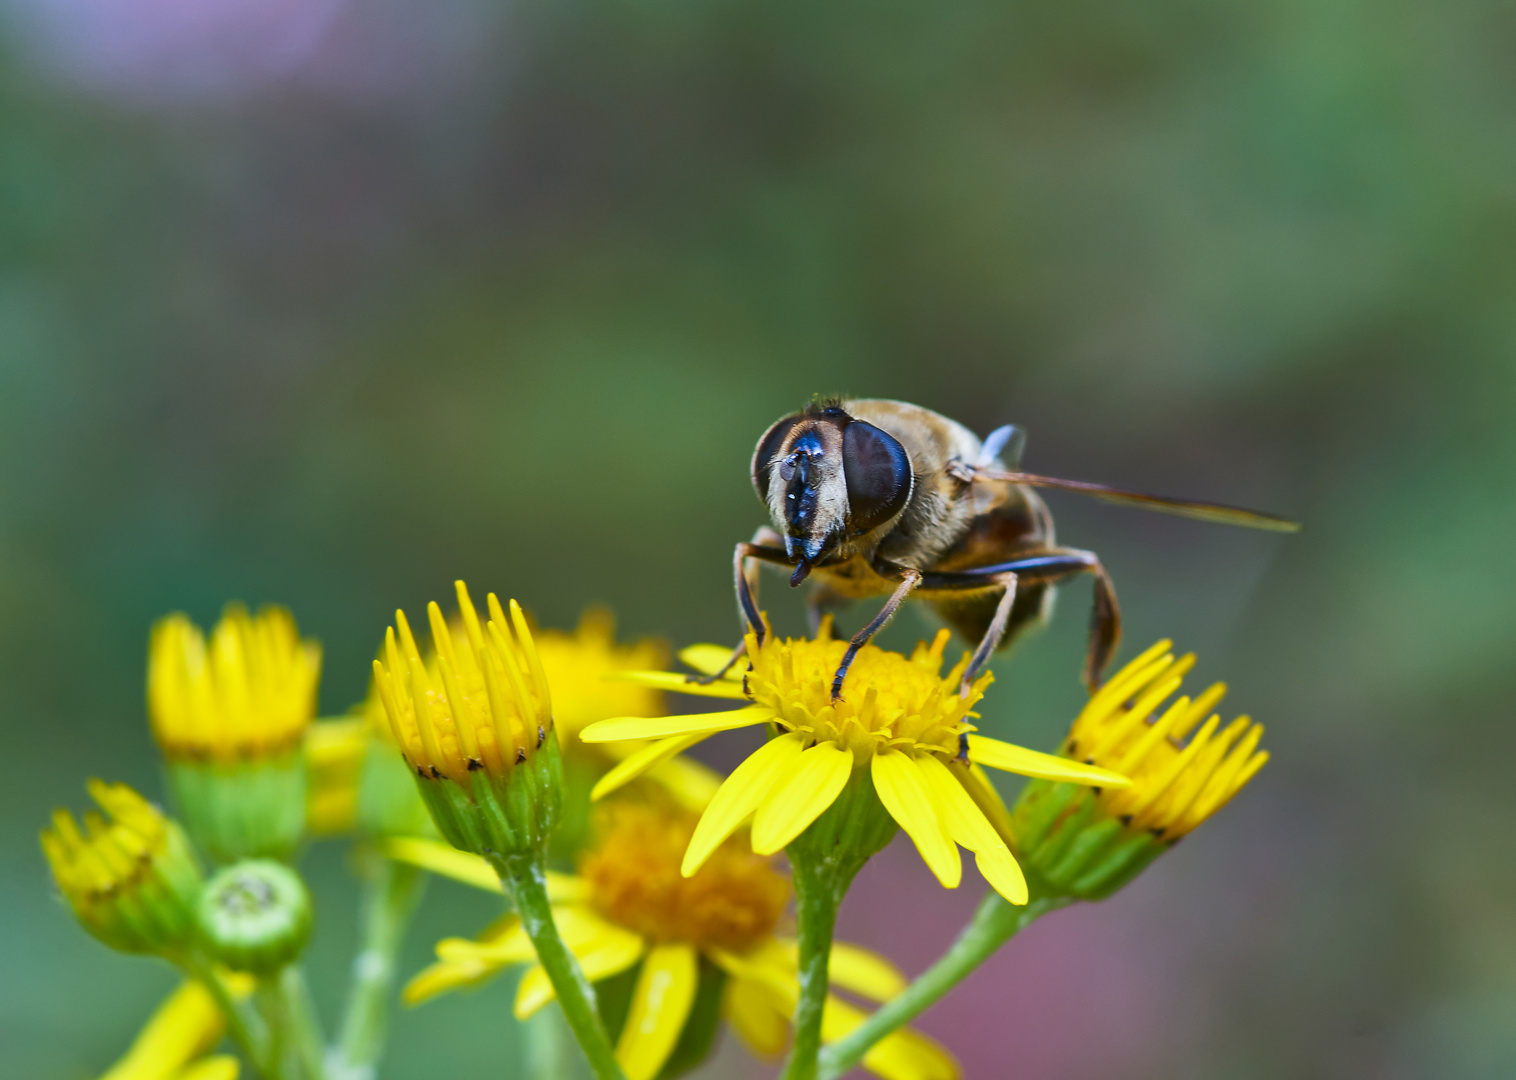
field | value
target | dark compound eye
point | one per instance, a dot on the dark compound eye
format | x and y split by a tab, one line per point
768	449
878	472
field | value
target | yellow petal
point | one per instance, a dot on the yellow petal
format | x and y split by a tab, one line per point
690	782
750	1010
966	824
633	766
444	859
187	1023
661	1003
818	777
739	796
659	727
220	1067
909	1055
680	684
709	659
904	793
1018	759
440	978
865	973
610	957
901	1055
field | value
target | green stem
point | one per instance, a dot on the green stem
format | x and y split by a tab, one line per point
819	888
391	893
243	1024
524	875
295	1041
995	923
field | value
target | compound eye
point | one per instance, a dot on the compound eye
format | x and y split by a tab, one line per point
768	449
878	472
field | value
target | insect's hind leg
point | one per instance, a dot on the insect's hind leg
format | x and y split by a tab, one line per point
1046	566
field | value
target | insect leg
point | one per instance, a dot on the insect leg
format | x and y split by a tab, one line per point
1049	565
909	579
987	646
747	597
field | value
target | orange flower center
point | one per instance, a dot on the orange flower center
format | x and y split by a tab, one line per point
733	902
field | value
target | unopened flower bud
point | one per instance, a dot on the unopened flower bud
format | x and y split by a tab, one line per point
131	877
1088	842
255	916
229	715
475	727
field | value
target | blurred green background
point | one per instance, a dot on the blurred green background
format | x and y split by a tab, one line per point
330	303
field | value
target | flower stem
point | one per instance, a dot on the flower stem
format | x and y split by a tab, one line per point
243	1024
391	892
524	875
295	1042
993	924
819	888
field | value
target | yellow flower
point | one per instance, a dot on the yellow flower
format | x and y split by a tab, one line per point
486	704
582	670
1182	770
577	665
1176	785
900	720
475	727
334	757
186	1025
630	903
248	695
131	880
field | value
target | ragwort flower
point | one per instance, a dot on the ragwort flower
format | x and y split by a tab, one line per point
1183	764
709	934
132	879
900	720
229	716
476	727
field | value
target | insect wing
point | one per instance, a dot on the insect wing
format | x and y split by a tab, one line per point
1217	513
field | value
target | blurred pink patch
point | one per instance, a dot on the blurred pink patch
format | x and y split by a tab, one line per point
181	47
1082	993
184	50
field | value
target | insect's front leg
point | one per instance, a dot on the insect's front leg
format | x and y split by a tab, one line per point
909	578
746	581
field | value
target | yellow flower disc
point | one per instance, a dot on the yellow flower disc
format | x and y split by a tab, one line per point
889	700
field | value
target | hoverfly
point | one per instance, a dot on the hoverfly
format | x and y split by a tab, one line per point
872	497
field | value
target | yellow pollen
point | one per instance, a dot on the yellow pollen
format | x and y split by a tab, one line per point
888	700
1178	779
733	902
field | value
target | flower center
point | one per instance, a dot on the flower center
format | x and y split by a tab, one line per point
732	902
888	699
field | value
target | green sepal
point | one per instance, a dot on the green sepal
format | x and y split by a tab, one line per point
506	815
1073	846
242	810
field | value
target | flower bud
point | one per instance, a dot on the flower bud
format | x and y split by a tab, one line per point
475	727
1088	842
132	880
229	716
255	916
